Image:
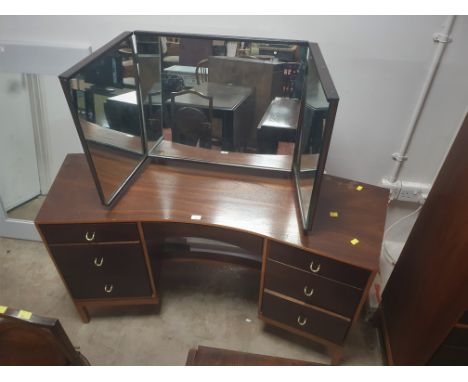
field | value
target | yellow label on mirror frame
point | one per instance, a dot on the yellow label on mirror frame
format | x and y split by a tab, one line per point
354	241
333	214
3	309
24	315
359	188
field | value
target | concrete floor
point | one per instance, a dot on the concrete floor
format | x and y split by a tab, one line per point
213	306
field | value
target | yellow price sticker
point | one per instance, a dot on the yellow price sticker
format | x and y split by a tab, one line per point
354	241
24	315
3	308
359	188
333	214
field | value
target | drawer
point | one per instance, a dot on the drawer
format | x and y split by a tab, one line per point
87	233
318	265
306	319
312	289
102	271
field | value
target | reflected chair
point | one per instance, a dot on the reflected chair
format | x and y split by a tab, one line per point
191	125
28	339
201	71
201	75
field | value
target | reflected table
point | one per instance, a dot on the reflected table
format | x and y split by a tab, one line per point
233	104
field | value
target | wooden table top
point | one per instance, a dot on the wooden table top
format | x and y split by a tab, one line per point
262	206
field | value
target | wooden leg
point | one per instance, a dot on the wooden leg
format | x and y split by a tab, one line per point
83	312
335	352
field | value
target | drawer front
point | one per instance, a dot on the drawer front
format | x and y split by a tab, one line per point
103	271
318	265
312	289
306	319
89	233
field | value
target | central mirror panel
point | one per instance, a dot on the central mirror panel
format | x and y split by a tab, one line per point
221	100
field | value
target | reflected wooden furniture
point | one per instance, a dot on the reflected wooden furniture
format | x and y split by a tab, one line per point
279	123
232	104
265	78
208	356
312	285
27	339
193	50
424	307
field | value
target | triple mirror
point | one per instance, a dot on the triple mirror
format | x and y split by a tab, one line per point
254	104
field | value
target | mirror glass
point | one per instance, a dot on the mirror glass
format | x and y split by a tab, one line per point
103	99
312	136
222	101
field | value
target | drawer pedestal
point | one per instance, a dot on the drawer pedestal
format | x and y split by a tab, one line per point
101	264
311	295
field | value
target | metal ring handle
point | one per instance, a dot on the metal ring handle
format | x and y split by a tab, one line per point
108	288
301	321
98	263
88	238
316	269
308	293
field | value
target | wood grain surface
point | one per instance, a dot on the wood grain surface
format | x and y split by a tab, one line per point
258	205
208	356
427	293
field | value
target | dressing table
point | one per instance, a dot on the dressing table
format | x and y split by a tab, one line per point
311	285
114	215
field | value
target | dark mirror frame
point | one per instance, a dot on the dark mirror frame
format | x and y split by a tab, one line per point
64	80
324	77
307	215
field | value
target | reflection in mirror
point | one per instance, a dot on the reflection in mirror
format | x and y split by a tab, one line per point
104	101
256	91
148	54
312	133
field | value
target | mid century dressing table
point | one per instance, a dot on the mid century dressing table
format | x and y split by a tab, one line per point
111	216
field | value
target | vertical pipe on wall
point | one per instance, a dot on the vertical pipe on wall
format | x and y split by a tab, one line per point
441	38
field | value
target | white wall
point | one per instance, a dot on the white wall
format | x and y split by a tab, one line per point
61	134
19	178
378	65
